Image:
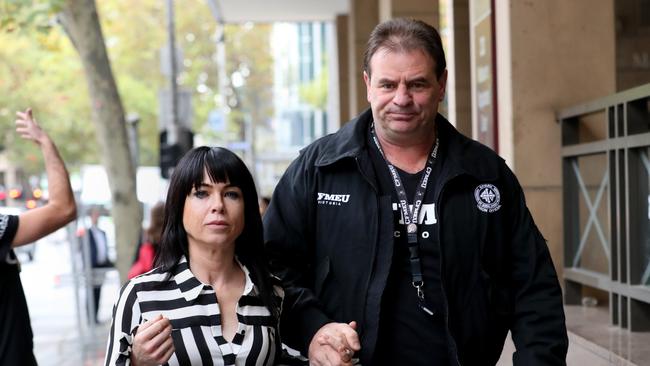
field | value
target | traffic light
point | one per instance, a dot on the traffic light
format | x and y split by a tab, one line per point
170	154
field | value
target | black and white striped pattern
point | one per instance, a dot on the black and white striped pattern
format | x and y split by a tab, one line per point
195	316
4	222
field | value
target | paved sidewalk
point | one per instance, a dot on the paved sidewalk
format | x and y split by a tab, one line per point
62	337
593	342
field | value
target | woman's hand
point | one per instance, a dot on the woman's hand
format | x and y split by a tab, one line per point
152	343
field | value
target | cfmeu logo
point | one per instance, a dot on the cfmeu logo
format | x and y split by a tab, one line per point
332	199
488	198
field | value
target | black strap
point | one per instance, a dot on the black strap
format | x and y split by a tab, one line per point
411	217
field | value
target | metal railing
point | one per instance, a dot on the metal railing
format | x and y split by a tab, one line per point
606	203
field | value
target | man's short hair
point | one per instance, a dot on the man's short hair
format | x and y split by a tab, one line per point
402	34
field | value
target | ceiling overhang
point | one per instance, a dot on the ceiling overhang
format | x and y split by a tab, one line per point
239	11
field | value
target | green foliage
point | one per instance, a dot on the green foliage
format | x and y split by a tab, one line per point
314	93
249	59
28	14
39	68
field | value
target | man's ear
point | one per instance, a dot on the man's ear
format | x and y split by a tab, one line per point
443	84
366	79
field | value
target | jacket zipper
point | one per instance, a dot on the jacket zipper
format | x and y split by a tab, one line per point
442	282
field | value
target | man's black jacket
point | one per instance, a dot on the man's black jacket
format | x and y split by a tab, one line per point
329	235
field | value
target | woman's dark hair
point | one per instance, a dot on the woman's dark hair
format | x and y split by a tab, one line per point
222	166
401	34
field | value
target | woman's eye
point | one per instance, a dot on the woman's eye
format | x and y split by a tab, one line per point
200	194
232	194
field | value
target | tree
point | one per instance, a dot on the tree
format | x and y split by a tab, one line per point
80	21
38	70
39	67
249	69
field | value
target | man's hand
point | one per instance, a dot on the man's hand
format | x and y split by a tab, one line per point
334	345
152	344
27	127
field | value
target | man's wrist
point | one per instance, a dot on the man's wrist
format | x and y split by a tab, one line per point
44	140
316	320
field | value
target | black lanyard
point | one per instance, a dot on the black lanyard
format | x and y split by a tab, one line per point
411	217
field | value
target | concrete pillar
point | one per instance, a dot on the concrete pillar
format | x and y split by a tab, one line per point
458	65
425	10
364	16
343	57
552	54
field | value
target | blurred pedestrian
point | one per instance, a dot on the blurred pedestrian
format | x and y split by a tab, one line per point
16	338
264	203
211	298
95	241
149	248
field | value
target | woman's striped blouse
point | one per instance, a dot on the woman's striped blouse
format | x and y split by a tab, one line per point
194	313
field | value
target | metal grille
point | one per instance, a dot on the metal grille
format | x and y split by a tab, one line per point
606	203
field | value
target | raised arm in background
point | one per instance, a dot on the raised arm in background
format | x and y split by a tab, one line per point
60	208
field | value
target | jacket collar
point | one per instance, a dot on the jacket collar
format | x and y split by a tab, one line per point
462	155
348	141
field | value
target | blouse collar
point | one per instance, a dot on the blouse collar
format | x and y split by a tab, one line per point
191	287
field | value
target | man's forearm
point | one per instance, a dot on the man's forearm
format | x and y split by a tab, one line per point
60	192
61	208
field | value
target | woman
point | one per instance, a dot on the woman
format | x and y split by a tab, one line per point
211	299
148	249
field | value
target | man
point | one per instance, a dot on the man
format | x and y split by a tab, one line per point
97	247
402	242
15	330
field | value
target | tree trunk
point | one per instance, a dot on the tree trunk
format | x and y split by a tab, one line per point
81	23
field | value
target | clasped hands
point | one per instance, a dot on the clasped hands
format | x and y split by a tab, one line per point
334	344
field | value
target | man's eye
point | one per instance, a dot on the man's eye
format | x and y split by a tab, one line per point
386	86
418	86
